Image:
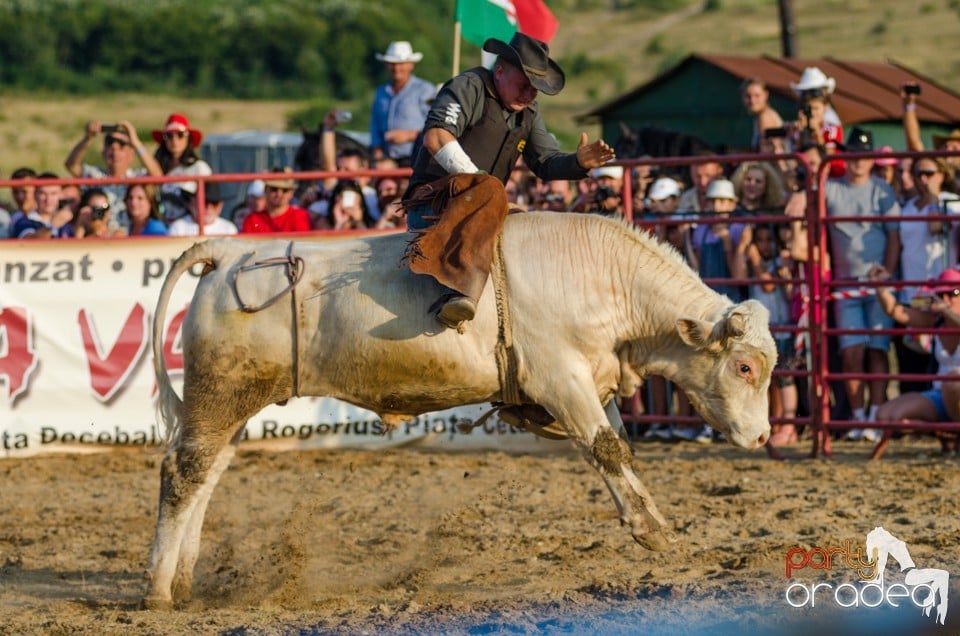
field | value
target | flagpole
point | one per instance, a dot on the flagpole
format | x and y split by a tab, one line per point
456	49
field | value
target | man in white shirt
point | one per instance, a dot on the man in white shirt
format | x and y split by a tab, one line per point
214	224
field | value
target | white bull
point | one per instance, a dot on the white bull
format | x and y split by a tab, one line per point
595	306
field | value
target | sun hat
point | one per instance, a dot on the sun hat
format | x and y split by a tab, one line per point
883	162
721	189
399	52
281	183
256	188
613	172
940	140
947	281
178	122
814	79
664	188
533	58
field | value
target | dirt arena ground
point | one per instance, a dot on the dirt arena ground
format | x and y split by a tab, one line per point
411	542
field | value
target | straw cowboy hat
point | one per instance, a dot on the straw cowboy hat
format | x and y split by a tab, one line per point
940	140
281	179
533	58
814	79
178	123
399	52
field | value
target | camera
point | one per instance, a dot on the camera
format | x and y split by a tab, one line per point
97	213
343	116
912	89
108	129
603	193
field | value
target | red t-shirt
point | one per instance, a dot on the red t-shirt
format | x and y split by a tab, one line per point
293	219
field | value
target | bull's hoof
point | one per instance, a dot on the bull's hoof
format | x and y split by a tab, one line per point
156	604
658	540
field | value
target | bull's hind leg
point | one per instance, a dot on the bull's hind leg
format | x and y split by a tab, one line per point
190	545
189	473
594	431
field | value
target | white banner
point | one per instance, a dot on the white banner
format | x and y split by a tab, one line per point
76	371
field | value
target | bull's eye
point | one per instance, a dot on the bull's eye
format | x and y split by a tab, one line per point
745	368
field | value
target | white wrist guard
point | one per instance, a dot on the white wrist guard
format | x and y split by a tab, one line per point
454	160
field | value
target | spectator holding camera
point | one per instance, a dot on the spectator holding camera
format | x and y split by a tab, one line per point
909	93
815	83
608	195
94	216
120	146
347	207
346	160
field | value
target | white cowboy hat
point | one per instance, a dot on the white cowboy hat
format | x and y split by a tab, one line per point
399	52
814	79
721	189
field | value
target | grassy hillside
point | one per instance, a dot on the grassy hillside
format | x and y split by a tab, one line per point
603	51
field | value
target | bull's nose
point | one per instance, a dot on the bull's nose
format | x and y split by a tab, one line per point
762	439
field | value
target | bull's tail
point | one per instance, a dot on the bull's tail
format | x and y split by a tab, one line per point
168	402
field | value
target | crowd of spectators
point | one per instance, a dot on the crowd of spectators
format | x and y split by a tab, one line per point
706	211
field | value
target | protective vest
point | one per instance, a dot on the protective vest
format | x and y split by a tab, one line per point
490	143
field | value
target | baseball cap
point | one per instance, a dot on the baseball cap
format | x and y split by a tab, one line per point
664	188
614	172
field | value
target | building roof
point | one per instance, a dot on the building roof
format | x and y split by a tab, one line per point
866	91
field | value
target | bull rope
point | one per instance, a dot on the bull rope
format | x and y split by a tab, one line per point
295	269
507	363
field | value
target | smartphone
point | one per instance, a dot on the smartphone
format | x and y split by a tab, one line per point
921	302
108	129
343	116
912	89
348	199
775	133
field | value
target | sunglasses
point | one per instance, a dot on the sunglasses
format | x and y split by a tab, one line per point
180	134
109	140
955	292
927	173
273	189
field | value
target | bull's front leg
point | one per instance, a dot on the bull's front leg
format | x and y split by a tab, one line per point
611	456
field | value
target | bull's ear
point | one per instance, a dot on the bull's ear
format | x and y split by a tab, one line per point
696	333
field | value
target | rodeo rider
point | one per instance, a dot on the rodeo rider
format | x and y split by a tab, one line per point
480	122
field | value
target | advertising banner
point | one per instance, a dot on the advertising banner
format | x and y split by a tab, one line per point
76	369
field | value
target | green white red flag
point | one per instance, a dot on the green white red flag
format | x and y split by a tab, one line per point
482	19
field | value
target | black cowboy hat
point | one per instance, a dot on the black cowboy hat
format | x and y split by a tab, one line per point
859	140
533	58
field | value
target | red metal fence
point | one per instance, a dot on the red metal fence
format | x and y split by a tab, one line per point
820	289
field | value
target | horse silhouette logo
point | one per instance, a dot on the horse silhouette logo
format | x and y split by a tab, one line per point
882	545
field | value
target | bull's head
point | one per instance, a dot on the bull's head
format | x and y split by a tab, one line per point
727	375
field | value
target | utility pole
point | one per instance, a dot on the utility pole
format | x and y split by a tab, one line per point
788	30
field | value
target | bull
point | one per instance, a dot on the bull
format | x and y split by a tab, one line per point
592	304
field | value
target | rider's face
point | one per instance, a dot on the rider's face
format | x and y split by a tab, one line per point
515	90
